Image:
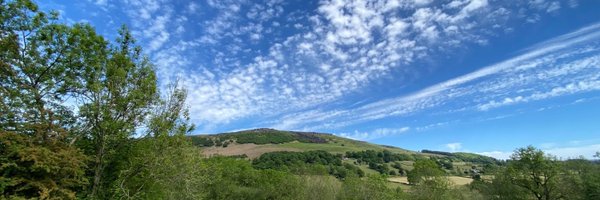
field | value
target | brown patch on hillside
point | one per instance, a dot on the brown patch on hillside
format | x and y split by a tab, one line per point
456	180
251	150
399	179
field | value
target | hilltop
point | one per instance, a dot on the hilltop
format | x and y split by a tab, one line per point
255	142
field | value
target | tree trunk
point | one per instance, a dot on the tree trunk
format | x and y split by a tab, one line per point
98	170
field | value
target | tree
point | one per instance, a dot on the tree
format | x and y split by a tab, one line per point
424	170
119	91
372	187
429	180
580	178
500	188
39	62
163	162
83	119
535	172
432	189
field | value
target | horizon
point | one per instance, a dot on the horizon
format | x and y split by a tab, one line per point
457	76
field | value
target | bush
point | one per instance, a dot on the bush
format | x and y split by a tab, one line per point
202	141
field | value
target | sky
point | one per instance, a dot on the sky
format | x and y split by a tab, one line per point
480	76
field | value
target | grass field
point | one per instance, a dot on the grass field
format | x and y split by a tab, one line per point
335	145
339	145
251	150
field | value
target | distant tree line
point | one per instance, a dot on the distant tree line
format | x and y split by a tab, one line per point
437	152
465	157
384	156
260	136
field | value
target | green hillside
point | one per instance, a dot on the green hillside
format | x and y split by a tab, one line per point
256	144
269	140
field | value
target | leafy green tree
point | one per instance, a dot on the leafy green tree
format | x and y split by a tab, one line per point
320	188
591	183
580	179
371	187
500	188
424	170
229	178
429	181
163	164
40	61
119	91
432	188
535	172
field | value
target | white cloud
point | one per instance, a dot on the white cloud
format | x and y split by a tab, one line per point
554	6
587	151
375	134
101	2
343	47
502	155
153	22
562	66
574	152
473	6
453	147
192	7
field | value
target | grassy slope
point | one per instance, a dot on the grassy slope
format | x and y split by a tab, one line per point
334	145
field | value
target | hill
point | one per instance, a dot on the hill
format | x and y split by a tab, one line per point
293	147
256	142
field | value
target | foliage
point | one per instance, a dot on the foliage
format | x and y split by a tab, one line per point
119	92
475	158
431	188
373	187
424	171
47	147
398	166
43	171
465	157
532	174
500	188
202	141
535	172
581	179
257	136
229	178
39	61
320	187
262	137
436	152
305	162
163	163
372	157
381	168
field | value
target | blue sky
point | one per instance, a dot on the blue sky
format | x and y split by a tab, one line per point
479	76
